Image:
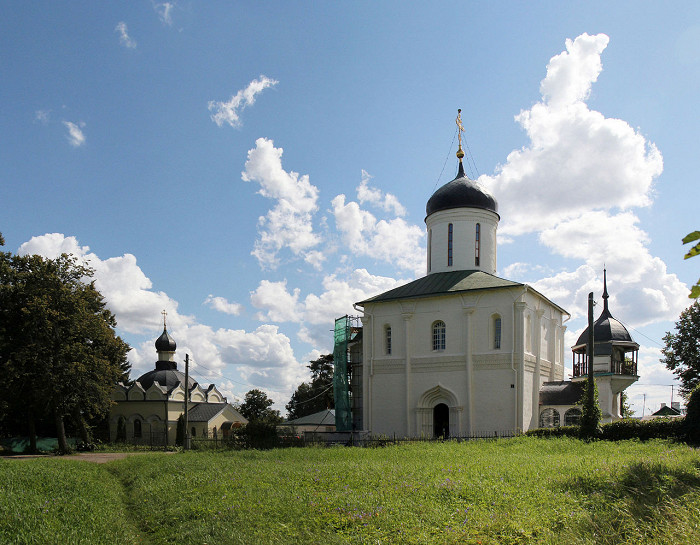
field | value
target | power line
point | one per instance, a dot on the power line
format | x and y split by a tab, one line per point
446	159
642	334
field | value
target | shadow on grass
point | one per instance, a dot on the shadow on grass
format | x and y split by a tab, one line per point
643	501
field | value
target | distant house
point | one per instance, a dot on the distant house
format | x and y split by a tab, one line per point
320	421
152	404
665	410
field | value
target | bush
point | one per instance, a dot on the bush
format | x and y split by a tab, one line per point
561	431
691	425
629	428
257	434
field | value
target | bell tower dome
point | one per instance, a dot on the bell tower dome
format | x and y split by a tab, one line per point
461	219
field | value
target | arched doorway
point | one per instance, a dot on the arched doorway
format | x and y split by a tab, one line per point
441	420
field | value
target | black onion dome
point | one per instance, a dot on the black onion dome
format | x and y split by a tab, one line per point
606	329
460	193
165	343
165	377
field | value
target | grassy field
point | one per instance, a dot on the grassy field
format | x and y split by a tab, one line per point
522	490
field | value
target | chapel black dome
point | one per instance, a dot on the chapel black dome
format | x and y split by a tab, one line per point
606	329
460	193
165	343
165	377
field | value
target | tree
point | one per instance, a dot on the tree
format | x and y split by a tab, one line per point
59	354
691	422
695	250
681	353
625	408
256	407
317	395
590	419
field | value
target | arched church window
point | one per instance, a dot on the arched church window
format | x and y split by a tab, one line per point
439	335
450	234
194	431
549	418
387	340
497	332
572	417
477	244
137	428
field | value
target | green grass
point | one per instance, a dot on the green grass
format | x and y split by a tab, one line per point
524	490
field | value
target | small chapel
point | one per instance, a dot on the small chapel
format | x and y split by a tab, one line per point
149	407
462	352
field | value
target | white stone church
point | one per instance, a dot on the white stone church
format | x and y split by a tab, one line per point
461	351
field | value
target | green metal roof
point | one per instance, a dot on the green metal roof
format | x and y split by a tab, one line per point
444	283
321	418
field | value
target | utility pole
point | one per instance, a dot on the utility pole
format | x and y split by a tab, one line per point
672	396
187	401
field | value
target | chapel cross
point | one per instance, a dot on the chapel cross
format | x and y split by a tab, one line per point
164	315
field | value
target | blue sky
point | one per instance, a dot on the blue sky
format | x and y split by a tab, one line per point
255	168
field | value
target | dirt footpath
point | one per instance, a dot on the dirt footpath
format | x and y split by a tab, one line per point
94	457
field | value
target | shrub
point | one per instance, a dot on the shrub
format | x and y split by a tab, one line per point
560	431
257	434
629	428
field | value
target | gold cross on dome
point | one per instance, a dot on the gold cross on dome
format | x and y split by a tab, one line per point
164	315
460	127
460	130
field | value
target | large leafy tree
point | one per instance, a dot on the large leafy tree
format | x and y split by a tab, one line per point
59	354
317	395
681	353
257	407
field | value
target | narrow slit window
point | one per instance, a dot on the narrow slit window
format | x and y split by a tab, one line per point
477	243
387	339
450	233
497	333
430	249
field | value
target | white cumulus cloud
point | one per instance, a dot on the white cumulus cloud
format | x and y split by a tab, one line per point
373	195
220	304
128	292
575	184
289	223
229	112
395	240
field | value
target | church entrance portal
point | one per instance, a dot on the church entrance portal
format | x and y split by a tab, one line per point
441	420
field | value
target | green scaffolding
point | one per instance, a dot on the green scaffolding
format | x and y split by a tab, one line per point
341	388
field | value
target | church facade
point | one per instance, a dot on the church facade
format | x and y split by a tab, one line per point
462	352
149	407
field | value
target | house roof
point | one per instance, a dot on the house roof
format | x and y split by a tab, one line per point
204	412
321	418
667	411
563	392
